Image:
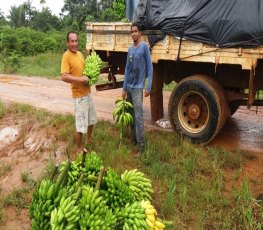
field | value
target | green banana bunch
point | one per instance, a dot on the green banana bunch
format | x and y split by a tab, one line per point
140	186
92	163
133	216
66	216
94	212
151	216
64	191
114	191
93	65
121	115
42	205
90	169
73	173
45	199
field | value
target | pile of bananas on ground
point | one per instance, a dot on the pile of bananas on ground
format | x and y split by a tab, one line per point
87	196
93	65
121	113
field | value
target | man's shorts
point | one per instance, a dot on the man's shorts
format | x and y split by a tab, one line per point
85	113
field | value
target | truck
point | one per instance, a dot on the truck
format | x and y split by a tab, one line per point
211	82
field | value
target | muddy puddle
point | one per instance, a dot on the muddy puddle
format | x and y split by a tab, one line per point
244	130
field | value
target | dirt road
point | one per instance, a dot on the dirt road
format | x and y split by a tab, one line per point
244	130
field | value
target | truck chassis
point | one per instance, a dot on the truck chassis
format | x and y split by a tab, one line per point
211	82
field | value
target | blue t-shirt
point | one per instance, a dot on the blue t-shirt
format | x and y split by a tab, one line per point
138	67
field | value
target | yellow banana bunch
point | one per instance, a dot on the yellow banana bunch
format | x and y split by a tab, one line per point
121	115
93	65
151	216
140	186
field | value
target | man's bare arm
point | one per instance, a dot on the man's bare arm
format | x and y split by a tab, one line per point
71	79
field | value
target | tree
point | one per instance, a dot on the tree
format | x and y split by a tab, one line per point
17	16
30	10
109	11
119	9
79	10
1	14
44	20
2	19
105	4
108	15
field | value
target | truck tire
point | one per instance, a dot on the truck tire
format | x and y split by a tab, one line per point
198	108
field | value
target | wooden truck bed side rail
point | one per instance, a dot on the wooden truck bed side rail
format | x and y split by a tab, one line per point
167	49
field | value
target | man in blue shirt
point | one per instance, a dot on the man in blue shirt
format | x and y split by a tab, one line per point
138	67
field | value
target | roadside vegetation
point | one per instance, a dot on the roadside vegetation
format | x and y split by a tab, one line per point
195	187
27	32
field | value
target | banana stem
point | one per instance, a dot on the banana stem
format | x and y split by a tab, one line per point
63	175
78	193
84	153
53	173
79	182
121	135
122	112
101	174
168	223
78	189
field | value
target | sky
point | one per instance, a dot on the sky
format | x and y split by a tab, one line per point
54	5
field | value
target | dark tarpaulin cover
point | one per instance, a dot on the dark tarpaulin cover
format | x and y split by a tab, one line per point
223	23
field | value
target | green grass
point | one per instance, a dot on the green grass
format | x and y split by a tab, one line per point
4	168
46	65
41	65
1	109
27	178
17	198
189	181
169	87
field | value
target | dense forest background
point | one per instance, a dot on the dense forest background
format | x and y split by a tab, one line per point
27	31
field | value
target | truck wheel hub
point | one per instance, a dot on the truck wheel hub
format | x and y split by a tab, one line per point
193	112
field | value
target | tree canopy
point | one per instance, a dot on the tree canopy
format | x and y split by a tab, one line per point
73	14
28	31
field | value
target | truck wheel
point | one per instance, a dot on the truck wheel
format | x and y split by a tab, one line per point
198	108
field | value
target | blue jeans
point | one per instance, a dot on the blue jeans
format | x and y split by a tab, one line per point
135	96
